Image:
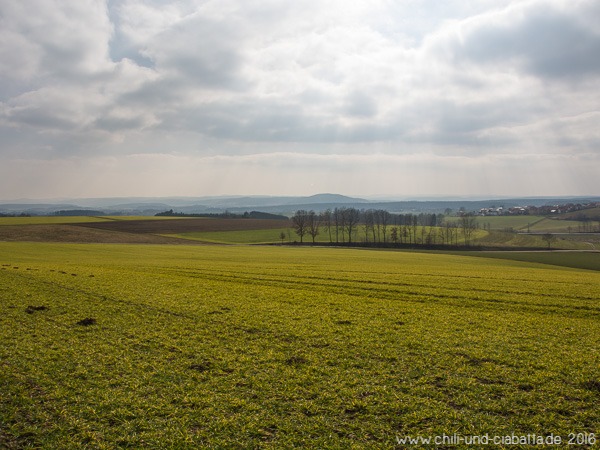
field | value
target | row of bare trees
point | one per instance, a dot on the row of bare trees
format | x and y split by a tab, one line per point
338	224
347	225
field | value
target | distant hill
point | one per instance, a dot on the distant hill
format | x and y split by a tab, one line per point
333	198
285	205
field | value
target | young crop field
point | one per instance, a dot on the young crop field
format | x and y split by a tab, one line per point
147	346
534	224
504	222
581	260
242	237
523	240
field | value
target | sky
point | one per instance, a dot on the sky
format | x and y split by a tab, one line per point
395	98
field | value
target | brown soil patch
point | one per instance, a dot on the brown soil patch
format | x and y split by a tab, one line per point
176	226
78	234
131	231
87	322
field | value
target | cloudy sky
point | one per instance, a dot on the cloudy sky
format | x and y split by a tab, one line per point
399	98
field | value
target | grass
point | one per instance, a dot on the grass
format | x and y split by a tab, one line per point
105	346
514	222
579	260
512	240
238	237
555	226
535	224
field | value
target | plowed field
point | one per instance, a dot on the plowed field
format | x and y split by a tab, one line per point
186	225
130	231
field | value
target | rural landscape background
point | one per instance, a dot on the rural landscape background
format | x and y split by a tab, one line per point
337	225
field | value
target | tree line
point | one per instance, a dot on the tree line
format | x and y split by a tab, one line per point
378	226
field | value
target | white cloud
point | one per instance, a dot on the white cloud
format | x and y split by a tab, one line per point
422	83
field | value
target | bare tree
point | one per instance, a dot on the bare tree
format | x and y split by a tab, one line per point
369	224
415	221
468	223
337	220
384	218
442	235
549	238
394	234
342	218
300	221
377	224
450	233
313	224
352	218
327	221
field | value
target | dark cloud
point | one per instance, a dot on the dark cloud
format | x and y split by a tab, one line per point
108	123
200	50
360	105
541	38
40	118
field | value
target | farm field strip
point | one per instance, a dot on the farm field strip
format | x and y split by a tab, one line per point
460	294
401	280
50	220
581	260
534	223
72	233
186	225
271	347
64	220
240	237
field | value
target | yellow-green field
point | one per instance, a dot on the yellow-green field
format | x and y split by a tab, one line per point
158	346
535	224
244	236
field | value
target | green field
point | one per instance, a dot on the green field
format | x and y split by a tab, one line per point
157	346
272	236
535	224
514	222
522	240
579	260
243	237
